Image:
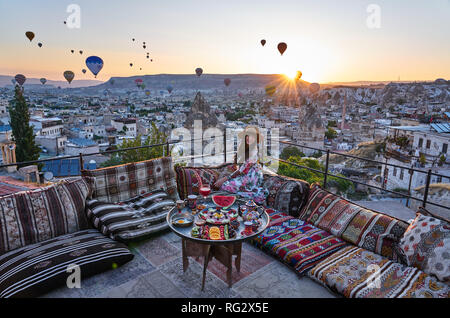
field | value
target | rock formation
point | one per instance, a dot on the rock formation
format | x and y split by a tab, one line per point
201	111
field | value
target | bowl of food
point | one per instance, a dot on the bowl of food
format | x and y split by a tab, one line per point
182	221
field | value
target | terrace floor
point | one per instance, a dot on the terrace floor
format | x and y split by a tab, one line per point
156	272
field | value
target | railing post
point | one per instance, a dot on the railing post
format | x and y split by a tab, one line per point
81	162
411	172
325	176
167	148
224	146
427	187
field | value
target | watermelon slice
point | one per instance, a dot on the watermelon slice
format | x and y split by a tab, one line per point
224	201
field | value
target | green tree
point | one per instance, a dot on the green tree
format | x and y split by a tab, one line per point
330	133
292	171
291	151
135	155
22	132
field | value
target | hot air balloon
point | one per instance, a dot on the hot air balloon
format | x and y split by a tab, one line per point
282	47
140	69
43	80
227	81
298	76
170	89
40	44
94	64
132	39
65	22
263	42
314	87
198	71
59	87
144	46
20	79
131	64
72	51
142	86
270	90
29	35
69	75
81	52
138	81
147	92
84	71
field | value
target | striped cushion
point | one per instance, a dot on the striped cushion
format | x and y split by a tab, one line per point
120	183
357	273
34	216
132	219
286	194
38	268
365	228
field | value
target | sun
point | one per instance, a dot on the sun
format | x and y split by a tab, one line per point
291	74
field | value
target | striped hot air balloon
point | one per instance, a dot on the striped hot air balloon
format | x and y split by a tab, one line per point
20	78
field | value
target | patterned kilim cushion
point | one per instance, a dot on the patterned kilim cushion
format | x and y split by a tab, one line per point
426	245
357	273
296	243
33	216
286	194
36	269
365	228
132	219
190	179
120	183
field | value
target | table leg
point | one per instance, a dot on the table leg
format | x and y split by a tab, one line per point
205	265
237	251
184	255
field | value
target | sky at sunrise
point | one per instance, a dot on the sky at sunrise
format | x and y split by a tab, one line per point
328	40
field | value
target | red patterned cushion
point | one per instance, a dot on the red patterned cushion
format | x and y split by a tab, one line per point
190	179
120	183
365	228
296	243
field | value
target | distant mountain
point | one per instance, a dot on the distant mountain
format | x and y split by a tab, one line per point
5	80
185	81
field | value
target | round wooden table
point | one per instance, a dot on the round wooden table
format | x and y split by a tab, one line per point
222	250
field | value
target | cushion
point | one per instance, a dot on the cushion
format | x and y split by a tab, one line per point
190	179
120	183
357	273
36	269
362	227
426	245
132	219
296	243
37	215
287	195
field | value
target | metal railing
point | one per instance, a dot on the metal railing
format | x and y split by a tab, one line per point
326	172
